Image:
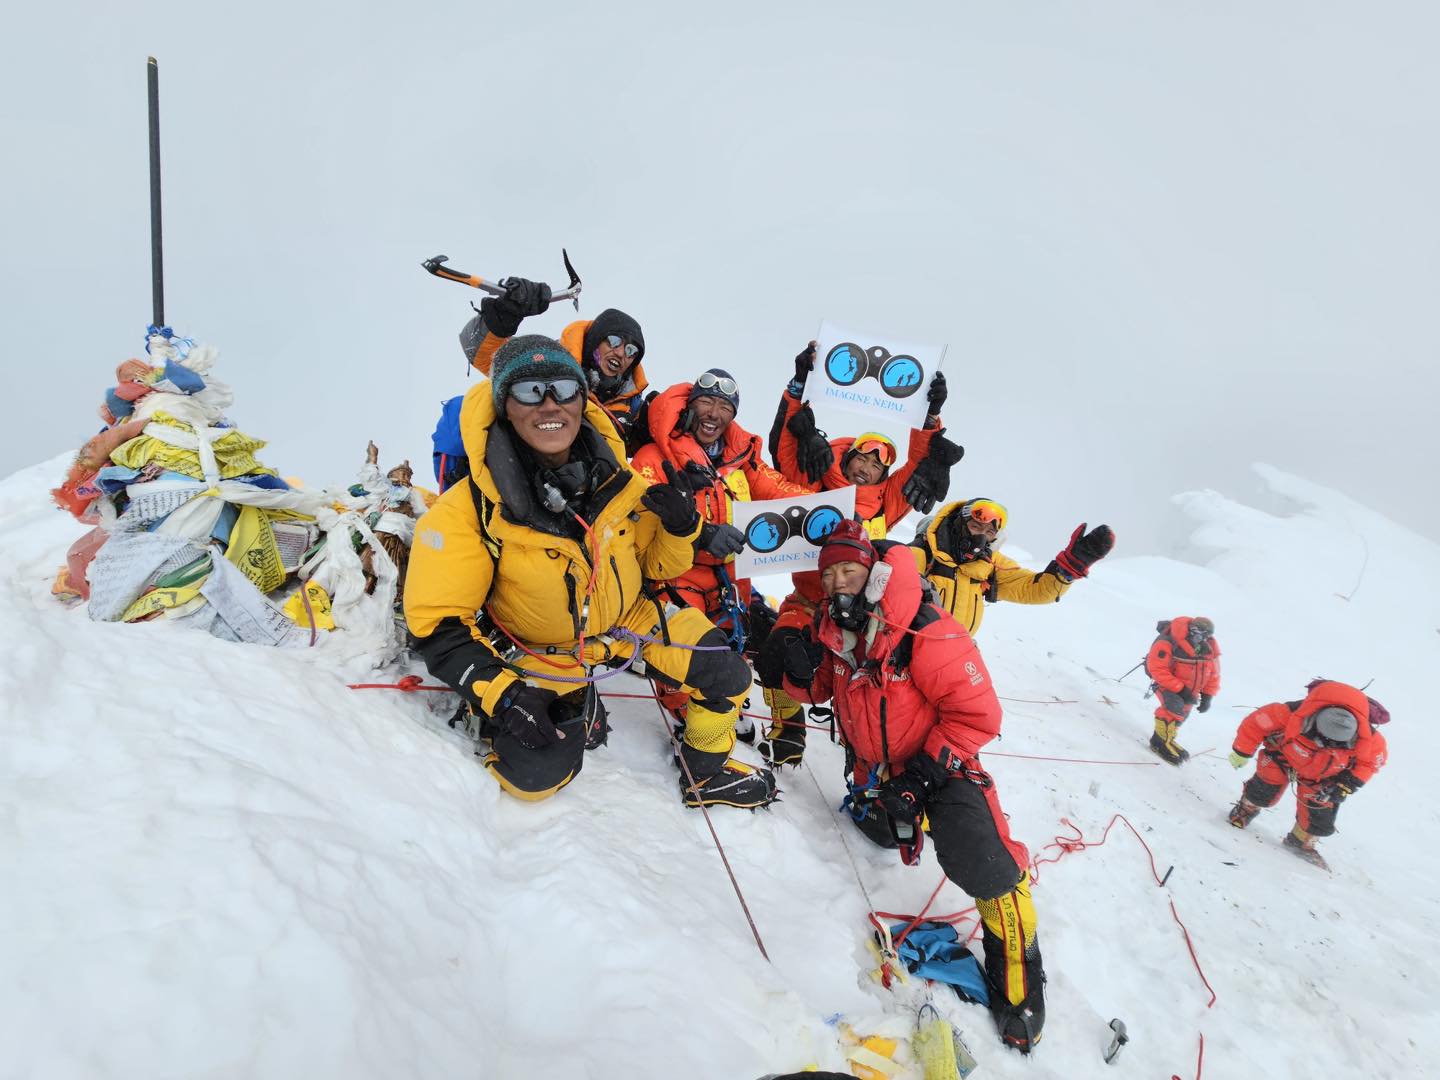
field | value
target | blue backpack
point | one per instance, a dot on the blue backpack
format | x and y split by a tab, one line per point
451	464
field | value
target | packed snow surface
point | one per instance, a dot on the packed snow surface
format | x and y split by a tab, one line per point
219	861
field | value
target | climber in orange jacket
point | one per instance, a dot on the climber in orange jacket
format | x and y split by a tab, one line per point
693	430
1325	743
1184	669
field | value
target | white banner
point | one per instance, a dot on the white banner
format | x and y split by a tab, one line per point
872	375
784	535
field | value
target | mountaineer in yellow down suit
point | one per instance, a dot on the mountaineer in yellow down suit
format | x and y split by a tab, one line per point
957	552
532	572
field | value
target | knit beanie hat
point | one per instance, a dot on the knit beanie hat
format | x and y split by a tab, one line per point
714	390
530	356
847	543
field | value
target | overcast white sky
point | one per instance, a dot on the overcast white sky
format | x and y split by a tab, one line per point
1161	240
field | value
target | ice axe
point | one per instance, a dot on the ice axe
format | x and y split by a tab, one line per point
436	265
1120	1039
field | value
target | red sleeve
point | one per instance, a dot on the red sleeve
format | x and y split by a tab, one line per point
949	671
1212	683
1157	666
1373	759
649	463
785	451
1261	723
766	483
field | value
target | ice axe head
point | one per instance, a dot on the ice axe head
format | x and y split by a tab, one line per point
1120	1039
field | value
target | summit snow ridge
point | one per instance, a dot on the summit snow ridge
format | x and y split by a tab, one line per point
219	861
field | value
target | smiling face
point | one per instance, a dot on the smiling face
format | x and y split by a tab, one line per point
610	360
712	417
549	428
864	468
844	578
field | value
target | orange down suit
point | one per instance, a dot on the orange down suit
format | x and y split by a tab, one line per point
1287	752
739	474
1176	668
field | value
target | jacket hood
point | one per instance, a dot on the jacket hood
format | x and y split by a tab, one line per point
679	447
1339	694
938	533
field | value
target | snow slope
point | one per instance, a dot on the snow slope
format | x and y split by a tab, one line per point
218	861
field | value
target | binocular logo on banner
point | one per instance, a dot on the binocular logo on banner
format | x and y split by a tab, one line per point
899	375
769	530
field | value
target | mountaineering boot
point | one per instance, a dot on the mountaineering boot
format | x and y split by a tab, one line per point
1013	968
1164	745
1303	844
1019	1022
1243	812
785	738
785	741
720	780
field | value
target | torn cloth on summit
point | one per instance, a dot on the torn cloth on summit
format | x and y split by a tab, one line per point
933	950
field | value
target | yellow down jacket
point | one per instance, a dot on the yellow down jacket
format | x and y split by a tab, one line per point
963	588
543	587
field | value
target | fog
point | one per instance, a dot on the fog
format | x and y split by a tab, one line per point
1161	241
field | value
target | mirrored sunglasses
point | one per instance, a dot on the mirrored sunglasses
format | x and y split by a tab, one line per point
876	444
615	341
709	380
533	391
986	511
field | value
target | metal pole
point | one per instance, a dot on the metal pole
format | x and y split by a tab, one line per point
157	260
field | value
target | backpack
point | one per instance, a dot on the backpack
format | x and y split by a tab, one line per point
449	458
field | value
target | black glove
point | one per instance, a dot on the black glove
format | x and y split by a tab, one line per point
813	452
524	711
722	541
903	796
930	482
1085	549
759	622
937	393
1205	700
1187	696
1344	783
673	502
522	297
770	662
803	657
804	363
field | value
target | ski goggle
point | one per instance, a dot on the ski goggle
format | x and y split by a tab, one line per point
615	341
986	511
709	381
533	391
872	443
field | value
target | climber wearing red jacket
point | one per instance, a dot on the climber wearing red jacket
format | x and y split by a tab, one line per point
915	705
1326	743
1184	667
885	490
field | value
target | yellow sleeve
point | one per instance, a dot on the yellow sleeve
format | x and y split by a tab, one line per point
1018	585
663	555
446	584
